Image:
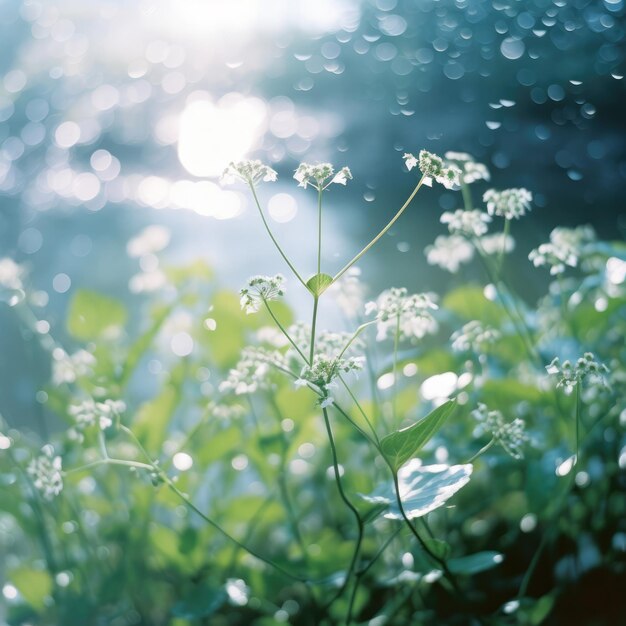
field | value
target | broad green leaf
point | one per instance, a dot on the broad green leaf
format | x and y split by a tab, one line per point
475	563
92	315
470	303
34	585
422	489
201	602
402	445
319	283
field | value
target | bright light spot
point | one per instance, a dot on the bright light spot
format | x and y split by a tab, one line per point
490	292
464	380
511	607
621	461
601	304
616	270
385	381
67	134
9	592
282	208
61	283
238	592
410	369
182	461
287	425
5	443
212	135
582	479
528	523
42	327
566	466
240	462
210	323
439	386
63	579
182	344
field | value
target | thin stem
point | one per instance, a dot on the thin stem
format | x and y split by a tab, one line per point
319	230
350	263
396	341
360	408
313	325
284	331
577	435
356	333
269	232
481	451
505	234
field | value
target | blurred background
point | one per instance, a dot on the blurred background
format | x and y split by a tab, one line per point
118	115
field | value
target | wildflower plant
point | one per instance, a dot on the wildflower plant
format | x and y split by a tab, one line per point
285	472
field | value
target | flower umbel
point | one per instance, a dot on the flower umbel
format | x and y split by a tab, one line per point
91	413
261	289
449	252
471	171
570	375
321	175
432	166
249	171
565	248
508	203
46	472
510	435
468	223
474	337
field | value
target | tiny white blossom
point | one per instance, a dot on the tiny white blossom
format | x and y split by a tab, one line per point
10	274
410	314
69	368
252	372
410	160
449	252
225	412
433	167
471	171
320	175
474	337
565	248
91	413
151	239
249	171
511	436
508	203
472	223
496	243
261	289
585	368
46	472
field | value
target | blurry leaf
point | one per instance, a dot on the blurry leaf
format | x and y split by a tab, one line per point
505	392
541	609
34	585
400	446
188	540
201	602
475	563
470	303
422	488
441	549
92	315
219	446
319	283
197	269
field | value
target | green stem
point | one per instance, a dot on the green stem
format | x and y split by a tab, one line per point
396	341
505	234
360	408
356	333
284	331
481	451
319	230
313	325
577	435
350	263
269	232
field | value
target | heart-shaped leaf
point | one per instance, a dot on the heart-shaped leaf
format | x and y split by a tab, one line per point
422	489
402	445
319	283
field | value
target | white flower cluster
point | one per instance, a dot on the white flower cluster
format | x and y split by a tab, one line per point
10	274
585	368
225	412
321	175
565	248
433	166
91	413
471	171
69	368
496	243
252	371
261	289
472	223
46	472
249	171
474	337
449	253
324	370
510	435
410	314
508	203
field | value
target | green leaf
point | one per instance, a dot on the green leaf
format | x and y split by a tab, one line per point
201	602
92	315
402	445
319	283
441	549
422	489
475	563
34	585
470	303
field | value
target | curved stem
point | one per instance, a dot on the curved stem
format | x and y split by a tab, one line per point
350	263
269	232
284	331
360	408
356	333
481	451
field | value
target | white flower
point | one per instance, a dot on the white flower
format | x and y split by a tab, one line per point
586	368
261	289
225	412
10	274
410	314
91	413
68	369
565	248
321	175
252	371
471	170
151	239
432	166
46	472
508	203
496	243
449	252
410	160
145	282
511	436
473	337
469	223
324	370
249	171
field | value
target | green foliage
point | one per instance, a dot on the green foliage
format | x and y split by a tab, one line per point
92	315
